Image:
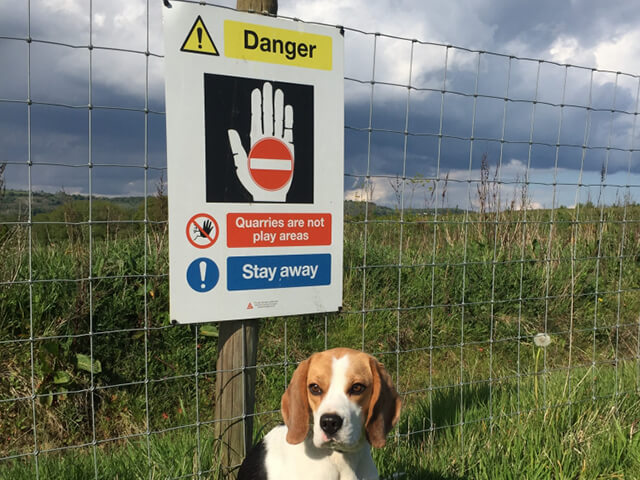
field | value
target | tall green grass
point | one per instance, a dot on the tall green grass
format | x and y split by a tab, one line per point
450	304
571	438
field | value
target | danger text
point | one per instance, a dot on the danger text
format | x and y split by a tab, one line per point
289	49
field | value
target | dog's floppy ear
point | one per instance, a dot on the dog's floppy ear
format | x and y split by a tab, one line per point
295	405
384	409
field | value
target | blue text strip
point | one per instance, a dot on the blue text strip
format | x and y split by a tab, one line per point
278	271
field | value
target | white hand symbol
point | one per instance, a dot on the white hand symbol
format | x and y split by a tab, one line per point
271	120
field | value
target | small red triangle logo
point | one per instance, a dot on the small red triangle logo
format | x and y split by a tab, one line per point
250	306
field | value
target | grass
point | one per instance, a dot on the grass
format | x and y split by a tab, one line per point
459	296
573	438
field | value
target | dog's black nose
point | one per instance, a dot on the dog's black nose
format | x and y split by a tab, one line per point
330	423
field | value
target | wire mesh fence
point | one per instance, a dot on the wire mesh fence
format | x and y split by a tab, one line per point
492	247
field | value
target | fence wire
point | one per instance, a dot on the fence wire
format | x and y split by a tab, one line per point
491	246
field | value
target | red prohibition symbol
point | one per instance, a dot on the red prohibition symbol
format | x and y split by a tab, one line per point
270	163
202	230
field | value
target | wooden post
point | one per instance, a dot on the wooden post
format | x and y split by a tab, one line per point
260	6
237	354
235	391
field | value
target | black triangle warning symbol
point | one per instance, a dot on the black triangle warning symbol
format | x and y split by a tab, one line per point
198	40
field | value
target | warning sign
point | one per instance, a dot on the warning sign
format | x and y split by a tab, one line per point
255	163
202	230
198	40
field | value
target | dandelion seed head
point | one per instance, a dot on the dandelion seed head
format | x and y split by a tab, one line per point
542	339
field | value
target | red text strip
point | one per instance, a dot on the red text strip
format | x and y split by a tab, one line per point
278	229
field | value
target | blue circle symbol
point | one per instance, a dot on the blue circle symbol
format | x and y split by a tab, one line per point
202	274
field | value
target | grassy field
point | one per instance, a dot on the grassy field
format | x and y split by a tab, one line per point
579	439
450	304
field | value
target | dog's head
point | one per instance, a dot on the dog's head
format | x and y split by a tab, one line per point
347	395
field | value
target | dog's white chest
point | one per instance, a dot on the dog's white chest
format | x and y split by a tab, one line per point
307	462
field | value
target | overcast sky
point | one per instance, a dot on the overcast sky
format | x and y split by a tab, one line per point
590	33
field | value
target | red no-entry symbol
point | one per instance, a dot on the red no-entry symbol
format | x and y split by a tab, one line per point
202	230
270	163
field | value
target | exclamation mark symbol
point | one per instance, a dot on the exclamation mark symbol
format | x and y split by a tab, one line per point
199	32
203	274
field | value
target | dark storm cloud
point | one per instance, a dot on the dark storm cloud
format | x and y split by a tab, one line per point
534	111
60	139
62	135
61	147
538	24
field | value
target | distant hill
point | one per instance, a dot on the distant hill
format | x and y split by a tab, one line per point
14	204
358	209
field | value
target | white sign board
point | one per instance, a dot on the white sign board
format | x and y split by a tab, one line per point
255	142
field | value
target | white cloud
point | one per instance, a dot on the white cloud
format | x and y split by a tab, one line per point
69	6
99	19
620	54
568	50
132	15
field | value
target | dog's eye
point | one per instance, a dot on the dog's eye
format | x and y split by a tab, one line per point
315	389
357	389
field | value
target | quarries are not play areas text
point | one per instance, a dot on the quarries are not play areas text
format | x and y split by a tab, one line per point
278	229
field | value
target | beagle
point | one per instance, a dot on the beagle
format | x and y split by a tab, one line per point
338	403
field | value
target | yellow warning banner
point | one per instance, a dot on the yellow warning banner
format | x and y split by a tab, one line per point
198	40
277	45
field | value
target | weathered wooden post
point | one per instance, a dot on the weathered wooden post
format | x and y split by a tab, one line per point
260	6
237	355
235	390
